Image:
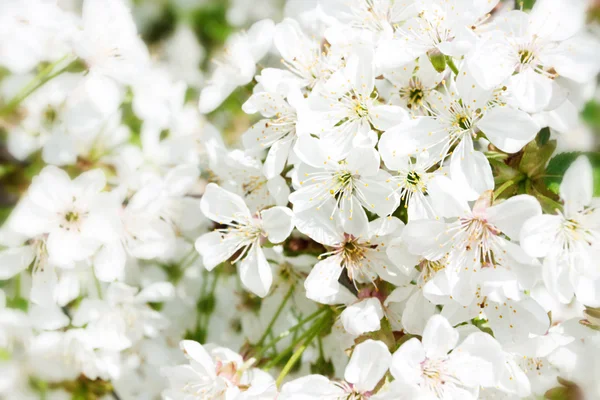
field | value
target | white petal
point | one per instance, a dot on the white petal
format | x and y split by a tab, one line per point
196	353
156	293
310	387
446	200
308	149
268	104
408	139
538	234
278	190
363	161
318	225
322	281
406	362
221	205
386	116
530	91
214	249
277	157
362	317
260	37
510	215
181	179
470	170
47	317
577	187
109	262
439	337
255	272
14	260
369	362
277	223
577	58
398	253
508	129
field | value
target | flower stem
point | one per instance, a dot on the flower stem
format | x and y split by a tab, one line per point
305	338
450	63
98	287
298	353
503	187
284	334
39	80
277	313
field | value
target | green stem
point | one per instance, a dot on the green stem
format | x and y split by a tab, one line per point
189	259
450	63
298	353
39	80
277	313
18	286
204	319
503	187
309	333
321	352
98	287
286	333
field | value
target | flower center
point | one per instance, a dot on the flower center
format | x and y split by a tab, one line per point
415	97
50	115
464	122
525	56
360	109
71	216
429	269
343	184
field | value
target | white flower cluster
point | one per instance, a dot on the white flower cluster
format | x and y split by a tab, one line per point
411	212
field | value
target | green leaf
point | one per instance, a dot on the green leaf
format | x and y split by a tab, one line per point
524	4
591	114
535	157
558	166
557	393
438	61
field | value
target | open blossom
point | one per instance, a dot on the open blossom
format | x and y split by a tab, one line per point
68	215
369	363
307	62
216	373
434	374
569	241
243	236
363	258
242	52
472	239
346	110
349	184
278	131
458	116
438	25
108	40
414	85
528	51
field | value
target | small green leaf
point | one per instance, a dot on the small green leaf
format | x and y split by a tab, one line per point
536	157
438	61
557	393
524	4
591	114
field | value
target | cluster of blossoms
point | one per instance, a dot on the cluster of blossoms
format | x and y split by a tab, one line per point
367	199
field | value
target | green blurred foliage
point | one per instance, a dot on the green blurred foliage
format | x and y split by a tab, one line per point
561	162
524	4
